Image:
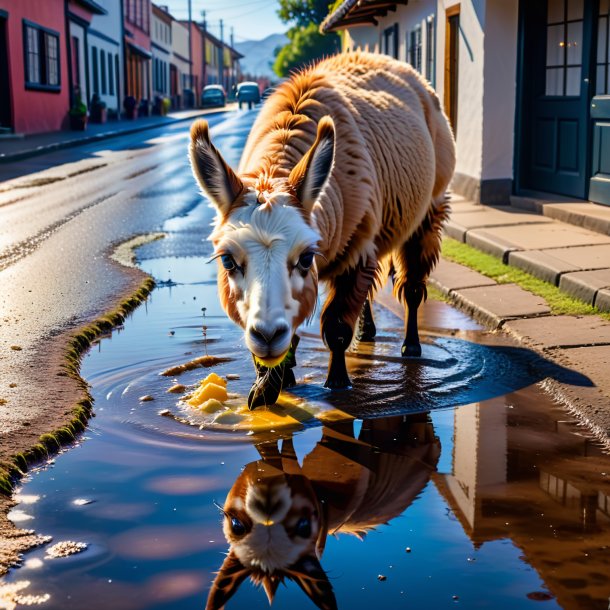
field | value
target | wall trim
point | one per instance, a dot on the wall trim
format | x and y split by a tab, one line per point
491	192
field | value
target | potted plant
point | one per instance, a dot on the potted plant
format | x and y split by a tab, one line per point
144	108
131	107
78	115
166	105
98	109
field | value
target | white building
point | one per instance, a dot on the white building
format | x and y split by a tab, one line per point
524	84
105	43
161	43
180	65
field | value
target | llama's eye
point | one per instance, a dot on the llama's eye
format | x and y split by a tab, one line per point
303	528
228	262
237	527
306	260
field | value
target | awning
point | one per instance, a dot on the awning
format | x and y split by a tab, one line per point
138	50
352	13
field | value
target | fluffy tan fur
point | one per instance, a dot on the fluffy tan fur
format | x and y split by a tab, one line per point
394	154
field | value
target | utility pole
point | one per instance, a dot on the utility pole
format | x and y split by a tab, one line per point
221	63
190	50
204	26
232	74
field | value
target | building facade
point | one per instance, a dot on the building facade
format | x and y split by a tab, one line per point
34	71
106	65
161	43
180	64
522	81
138	55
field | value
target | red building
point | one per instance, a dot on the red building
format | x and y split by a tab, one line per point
138	55
34	76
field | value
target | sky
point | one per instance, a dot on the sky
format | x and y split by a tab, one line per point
251	19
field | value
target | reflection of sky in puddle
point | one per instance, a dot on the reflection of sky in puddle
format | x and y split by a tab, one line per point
154	534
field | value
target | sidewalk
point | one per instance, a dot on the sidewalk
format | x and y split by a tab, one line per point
16	149
575	259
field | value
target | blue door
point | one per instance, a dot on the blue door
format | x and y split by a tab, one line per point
599	185
556	85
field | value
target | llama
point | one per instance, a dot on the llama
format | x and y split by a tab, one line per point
278	514
342	180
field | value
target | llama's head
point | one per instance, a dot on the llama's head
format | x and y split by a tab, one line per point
273	523
264	240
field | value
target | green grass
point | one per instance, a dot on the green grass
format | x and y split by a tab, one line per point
12	470
559	302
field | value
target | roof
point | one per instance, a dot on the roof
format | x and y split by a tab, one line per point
218	43
352	13
162	12
92	7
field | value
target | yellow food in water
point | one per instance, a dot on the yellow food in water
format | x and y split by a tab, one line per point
214	378
271	362
210	390
211	406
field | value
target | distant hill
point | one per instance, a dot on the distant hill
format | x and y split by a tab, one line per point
258	55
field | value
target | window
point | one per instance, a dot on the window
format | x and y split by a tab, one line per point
94	69
41	49
415	49
602	81
431	51
390	41
564	47
103	67
75	61
110	75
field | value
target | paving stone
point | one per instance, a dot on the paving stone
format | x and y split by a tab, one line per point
494	304
586	258
543	236
448	276
594	362
588	215
602	300
483	240
455	230
542	264
561	331
498	216
584	284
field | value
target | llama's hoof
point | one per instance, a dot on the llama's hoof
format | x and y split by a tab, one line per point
336	383
411	350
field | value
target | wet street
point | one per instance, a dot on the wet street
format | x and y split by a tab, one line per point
450	481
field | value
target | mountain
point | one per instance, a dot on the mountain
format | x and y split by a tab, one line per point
258	55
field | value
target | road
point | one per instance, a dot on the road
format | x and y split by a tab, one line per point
61	215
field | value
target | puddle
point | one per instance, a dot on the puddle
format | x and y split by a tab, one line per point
448	481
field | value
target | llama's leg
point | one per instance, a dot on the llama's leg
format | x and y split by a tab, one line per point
366	329
413	263
339	316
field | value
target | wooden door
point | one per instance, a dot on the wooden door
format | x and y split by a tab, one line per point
452	58
6	118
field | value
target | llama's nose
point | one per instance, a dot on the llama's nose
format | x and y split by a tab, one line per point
268	337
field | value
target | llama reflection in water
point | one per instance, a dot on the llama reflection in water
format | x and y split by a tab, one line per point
278	513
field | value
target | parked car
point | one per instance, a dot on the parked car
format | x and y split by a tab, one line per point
248	93
213	95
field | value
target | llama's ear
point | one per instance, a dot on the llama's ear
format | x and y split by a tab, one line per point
215	177
230	576
310	576
311	173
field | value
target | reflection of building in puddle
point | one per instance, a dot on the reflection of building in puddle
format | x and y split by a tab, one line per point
520	472
278	514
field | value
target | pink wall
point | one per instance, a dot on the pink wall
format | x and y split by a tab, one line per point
36	111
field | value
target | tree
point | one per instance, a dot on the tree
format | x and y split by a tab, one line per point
306	43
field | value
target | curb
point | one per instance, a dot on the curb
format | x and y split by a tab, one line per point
554	338
107	135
